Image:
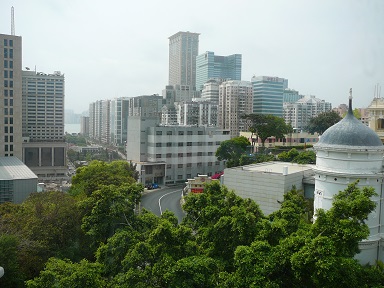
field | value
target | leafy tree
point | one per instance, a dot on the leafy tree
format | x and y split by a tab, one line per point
13	277
76	140
231	150
110	208
64	273
322	122
46	224
303	157
90	178
265	126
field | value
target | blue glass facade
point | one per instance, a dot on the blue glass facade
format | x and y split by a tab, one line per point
268	95
209	66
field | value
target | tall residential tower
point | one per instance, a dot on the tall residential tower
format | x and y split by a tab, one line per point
183	49
10	96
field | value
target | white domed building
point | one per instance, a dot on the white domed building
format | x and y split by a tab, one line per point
346	152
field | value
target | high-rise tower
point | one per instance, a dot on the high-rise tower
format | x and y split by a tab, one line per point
10	96
183	49
209	65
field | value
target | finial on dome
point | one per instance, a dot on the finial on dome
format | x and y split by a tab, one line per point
350	101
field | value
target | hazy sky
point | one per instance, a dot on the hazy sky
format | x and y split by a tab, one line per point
117	48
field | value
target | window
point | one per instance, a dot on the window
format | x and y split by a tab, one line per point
158	155
11	138
11	43
217	163
5	73
189	154
209	163
5	42
169	132
199	153
10	64
189	143
6	138
5	92
180	144
11	84
169	155
180	155
5	102
11	148
6	129
10	53
10	93
169	144
159	132
210	143
217	142
169	166
199	164
199	132
5	120
199	143
11	74
189	176
5	53
189	164
179	165
210	153
5	63
181	132
189	133
5	111
158	144
179	177
6	147
5	83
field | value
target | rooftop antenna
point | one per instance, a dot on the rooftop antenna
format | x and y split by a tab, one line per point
12	21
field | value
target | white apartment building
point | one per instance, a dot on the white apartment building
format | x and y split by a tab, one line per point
210	90
171	154
118	120
299	114
235	100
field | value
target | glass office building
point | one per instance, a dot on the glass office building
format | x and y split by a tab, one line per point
211	66
268	95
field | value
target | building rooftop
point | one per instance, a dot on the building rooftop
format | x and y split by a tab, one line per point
275	167
11	168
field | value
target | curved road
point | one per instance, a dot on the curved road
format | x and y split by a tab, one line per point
160	200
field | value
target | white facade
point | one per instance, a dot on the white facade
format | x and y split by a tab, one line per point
299	114
346	152
266	183
186	151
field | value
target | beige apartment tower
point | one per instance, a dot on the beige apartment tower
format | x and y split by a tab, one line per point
183	49
10	96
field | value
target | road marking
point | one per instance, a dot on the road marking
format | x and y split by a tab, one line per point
161	212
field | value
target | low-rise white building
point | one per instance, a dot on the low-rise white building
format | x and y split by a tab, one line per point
266	183
170	154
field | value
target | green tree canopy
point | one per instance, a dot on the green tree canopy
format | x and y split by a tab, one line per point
322	122
231	150
90	178
265	126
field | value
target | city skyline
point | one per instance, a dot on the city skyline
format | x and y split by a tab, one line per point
323	49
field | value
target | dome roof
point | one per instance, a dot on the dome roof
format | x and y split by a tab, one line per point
350	132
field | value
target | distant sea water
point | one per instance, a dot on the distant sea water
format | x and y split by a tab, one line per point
72	128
